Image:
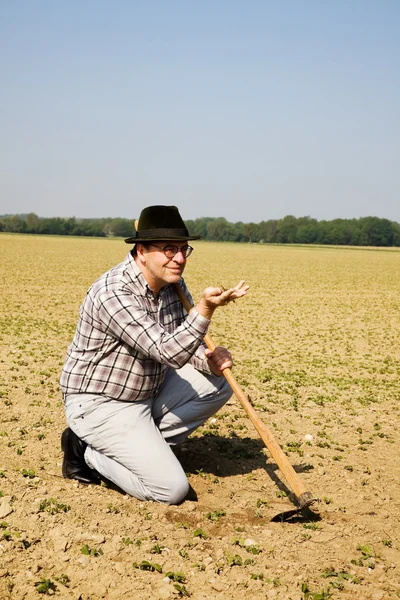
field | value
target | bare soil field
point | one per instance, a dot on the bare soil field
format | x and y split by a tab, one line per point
316	348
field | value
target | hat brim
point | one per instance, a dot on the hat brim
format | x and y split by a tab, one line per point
177	238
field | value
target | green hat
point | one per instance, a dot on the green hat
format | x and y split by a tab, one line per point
160	223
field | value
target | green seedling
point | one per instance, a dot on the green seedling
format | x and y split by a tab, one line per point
46	586
252	548
127	541
87	551
157	549
261	503
216	515
179	577
308	595
234	561
53	507
339	577
367	550
181	589
145	565
29	473
200	533
64	579
313	526
281	494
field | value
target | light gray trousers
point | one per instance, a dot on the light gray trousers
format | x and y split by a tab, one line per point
129	442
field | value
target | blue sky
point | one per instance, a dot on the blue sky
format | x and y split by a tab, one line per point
248	110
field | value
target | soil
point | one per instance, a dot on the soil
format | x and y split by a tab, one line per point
317	353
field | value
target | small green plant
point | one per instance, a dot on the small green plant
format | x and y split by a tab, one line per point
366	550
179	577
308	595
339	577
29	473
281	494
261	503
216	515
52	506
46	586
200	533
327	500
127	541
63	579
145	565
88	551
113	509
181	590
387	543
157	549
313	526
234	561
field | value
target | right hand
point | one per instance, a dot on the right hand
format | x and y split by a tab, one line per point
217	296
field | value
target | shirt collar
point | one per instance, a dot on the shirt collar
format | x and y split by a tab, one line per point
140	279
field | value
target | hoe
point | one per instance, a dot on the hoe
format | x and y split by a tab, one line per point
304	497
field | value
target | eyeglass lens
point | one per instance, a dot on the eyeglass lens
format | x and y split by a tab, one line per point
170	251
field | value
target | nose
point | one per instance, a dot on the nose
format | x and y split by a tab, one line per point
179	258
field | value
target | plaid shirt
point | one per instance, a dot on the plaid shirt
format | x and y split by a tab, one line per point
127	338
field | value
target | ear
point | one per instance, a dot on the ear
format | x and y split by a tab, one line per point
141	253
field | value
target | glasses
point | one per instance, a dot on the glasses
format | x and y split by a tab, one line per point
171	251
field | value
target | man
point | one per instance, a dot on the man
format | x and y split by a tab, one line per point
137	378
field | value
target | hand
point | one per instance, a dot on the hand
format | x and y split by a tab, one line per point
218	359
217	296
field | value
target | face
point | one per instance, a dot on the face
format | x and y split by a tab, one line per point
158	269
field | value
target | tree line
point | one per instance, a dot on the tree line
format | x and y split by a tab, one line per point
365	231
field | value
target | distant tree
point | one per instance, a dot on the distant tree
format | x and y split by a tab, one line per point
32	223
268	231
121	228
218	229
287	228
379	231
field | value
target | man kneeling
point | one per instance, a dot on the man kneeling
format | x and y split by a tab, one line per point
137	378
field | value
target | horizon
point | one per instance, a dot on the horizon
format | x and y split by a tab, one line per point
24	214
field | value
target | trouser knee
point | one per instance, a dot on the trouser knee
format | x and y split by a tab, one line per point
174	493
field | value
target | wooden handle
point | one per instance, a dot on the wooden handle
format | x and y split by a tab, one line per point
266	435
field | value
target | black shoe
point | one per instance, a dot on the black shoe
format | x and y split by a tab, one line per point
74	465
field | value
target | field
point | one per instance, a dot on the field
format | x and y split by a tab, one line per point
316	348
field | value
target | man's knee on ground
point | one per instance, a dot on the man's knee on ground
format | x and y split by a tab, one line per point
174	493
